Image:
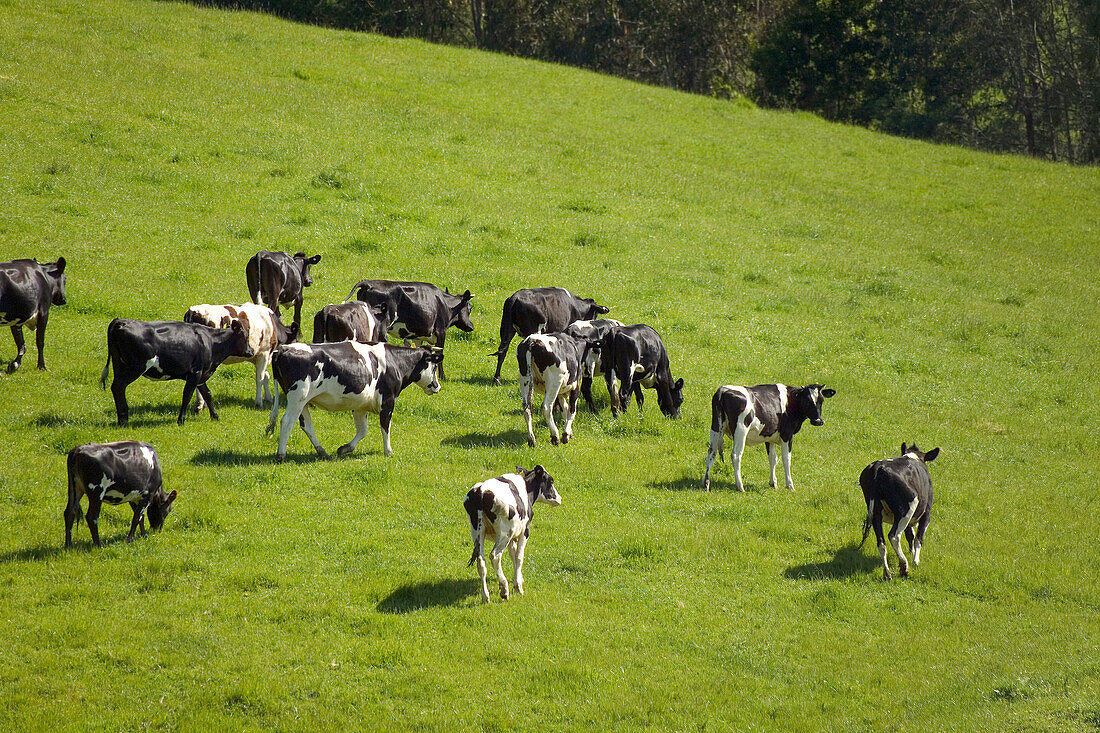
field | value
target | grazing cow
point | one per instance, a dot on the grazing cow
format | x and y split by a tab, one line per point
636	357
540	310
163	350
766	413
348	376
355	321
899	490
276	277
501	509
265	331
113	473
27	290
551	363
592	331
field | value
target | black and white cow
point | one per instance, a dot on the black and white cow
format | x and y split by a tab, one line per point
766	413
592	331
541	310
899	490
112	473
164	350
501	509
354	321
276	277
265	331
636	357
348	377
551	363
27	290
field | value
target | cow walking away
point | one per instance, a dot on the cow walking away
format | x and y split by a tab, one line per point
540	310
354	321
27	290
276	278
899	491
551	363
163	350
635	357
766	413
501	509
593	331
112	473
347	377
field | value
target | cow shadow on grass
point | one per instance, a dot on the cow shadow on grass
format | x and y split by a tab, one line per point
846	562
478	380
695	483
230	457
41	553
430	594
507	439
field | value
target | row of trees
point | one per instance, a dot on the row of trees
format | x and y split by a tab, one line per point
1009	75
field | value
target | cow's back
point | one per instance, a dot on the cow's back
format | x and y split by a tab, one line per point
117	469
22	285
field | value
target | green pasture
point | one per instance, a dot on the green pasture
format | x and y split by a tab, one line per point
950	297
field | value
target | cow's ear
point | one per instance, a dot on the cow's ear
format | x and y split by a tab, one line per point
679	383
828	392
59	266
467	295
931	455
314	259
903	448
602	309
521	470
172	496
299	255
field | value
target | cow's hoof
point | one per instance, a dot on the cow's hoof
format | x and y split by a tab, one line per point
280	458
344	450
323	454
12	367
531	442
179	421
503	594
566	438
706	486
886	575
904	571
42	367
496	382
553	440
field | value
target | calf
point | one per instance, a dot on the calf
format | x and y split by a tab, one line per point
592	331
899	490
501	509
636	357
540	310
265	331
27	290
355	321
347	376
163	350
113	473
766	413
551	363
276	277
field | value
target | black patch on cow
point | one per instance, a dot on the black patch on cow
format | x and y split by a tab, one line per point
375	366
521	498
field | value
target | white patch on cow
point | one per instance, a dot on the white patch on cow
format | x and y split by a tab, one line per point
782	398
149	455
547	341
152	370
299	347
104	484
913	456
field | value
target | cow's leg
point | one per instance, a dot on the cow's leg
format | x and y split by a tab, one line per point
298	312
118	391
787	463
918	540
638	397
569	408
72	508
612	390
626	386
876	522
40	339
737	449
200	403
481	572
138	520
295	403
204	393
901	522
717	437
263	380
92	518
495	556
307	426
385	417
188	390
553	385
440	339
527	388
507	332
360	417
20	348
586	390
517	561
772	458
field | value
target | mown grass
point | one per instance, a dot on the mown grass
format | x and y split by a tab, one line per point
949	296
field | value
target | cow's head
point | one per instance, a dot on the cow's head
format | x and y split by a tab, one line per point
238	343
540	485
160	506
56	270
426	373
670	404
920	455
460	313
594	310
810	399
304	264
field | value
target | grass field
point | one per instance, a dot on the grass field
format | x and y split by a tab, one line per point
950	298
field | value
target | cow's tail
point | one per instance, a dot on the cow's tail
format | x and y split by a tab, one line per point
74	496
351	295
718	424
507	327
320	327
274	392
105	372
472	509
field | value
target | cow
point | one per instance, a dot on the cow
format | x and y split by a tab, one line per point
164	350
636	357
355	321
592	331
501	509
265	331
27	290
551	363
276	277
348	376
766	413
541	310
112	473
899	490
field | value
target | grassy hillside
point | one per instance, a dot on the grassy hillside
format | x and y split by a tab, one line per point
949	297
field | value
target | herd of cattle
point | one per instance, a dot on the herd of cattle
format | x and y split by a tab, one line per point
350	367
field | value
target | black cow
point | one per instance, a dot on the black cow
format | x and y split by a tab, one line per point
899	490
592	331
766	413
540	310
357	321
27	290
422	312
347	376
276	277
636	357
163	350
551	363
113	473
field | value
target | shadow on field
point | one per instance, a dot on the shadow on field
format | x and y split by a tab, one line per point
40	553
478	380
684	483
507	439
417	596
223	457
846	562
